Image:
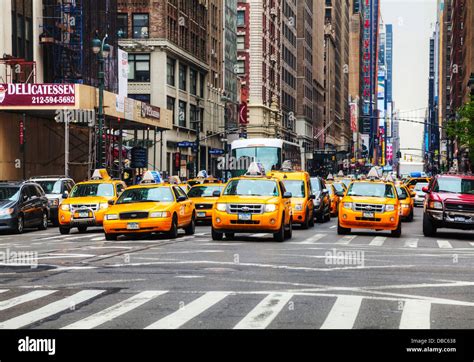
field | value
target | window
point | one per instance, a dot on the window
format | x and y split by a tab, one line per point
241	42
170	71
240	69
241	18
122	25
120	188
193	116
140	97
201	85
140	26
193	80
139	67
170	105
182	77
182	114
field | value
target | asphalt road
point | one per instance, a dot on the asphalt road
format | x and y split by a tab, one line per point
317	280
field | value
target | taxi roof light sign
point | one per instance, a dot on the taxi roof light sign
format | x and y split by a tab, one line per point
100	174
203	174
373	173
255	169
287	166
152	177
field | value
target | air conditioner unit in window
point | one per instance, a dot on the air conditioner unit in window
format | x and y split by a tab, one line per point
273	12
273	58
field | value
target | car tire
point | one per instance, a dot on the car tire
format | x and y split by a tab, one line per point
289	232
398	231
279	236
311	220
428	228
229	236
191	228
64	231
44	222
82	229
327	217
173	233
341	230
111	237
411	216
216	236
20	225
304	225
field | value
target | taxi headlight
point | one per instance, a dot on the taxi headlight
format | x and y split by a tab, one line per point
347	205
221	207
111	217
271	207
65	207
435	205
103	205
298	207
389	207
406	206
160	214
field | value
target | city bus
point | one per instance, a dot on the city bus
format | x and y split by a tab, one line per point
270	152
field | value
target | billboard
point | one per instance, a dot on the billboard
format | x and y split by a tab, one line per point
354	116
27	94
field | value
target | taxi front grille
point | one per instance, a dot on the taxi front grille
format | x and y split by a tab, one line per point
245	222
203	206
368	207
133	215
245	208
93	207
376	219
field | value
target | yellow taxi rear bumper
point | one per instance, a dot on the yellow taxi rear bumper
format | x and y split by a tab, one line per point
67	218
144	226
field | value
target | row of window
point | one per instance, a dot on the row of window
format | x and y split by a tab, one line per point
140	25
183	76
195	115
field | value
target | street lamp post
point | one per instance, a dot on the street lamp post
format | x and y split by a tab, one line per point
102	50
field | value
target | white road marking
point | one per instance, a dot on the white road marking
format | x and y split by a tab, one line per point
265	312
259	235
312	239
115	311
9	303
50	309
471	243
378	241
444	244
346	240
416	315
189	311
3	290
411	243
98	238
333	227
343	313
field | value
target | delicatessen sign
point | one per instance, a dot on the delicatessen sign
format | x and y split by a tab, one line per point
24	94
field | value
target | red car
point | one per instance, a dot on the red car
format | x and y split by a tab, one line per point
449	203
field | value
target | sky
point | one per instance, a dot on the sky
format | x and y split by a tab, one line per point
413	24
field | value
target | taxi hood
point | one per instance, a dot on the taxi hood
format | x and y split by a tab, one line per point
231	199
86	200
367	200
140	206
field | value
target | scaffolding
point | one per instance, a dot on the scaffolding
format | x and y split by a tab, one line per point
17	70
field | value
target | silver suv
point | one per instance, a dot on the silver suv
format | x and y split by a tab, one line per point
55	188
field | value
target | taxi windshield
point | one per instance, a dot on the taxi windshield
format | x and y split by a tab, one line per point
339	187
93	189
244	187
455	185
204	191
146	194
295	187
402	193
371	189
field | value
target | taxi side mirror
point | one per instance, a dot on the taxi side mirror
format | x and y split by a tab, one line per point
216	193
402	197
181	198
312	196
425	189
111	202
65	195
287	195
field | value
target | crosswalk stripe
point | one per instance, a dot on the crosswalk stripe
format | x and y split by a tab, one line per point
259	235
416	315
3	290
98	238
343	313
114	311
189	311
472	244
9	303
312	239
411	243
346	240
444	244
50	309
264	313
378	241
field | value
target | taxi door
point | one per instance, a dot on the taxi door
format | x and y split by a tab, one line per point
185	207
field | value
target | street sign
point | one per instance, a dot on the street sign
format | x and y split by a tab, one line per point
139	157
216	151
186	144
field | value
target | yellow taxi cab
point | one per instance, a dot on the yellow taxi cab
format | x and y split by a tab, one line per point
150	207
336	192
298	183
175	180
204	199
203	178
252	203
407	202
371	204
88	201
412	181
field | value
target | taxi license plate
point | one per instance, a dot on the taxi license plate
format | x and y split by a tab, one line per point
133	226
368	214
201	214
245	217
83	214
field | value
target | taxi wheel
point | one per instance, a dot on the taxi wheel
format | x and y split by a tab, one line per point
111	237
410	217
341	230
216	236
398	231
280	234
173	233
82	229
305	225
64	231
189	230
311	221
289	232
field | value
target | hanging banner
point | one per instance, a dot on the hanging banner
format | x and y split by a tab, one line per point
27	94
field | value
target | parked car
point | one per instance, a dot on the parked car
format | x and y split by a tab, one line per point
322	200
23	205
449	203
54	187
